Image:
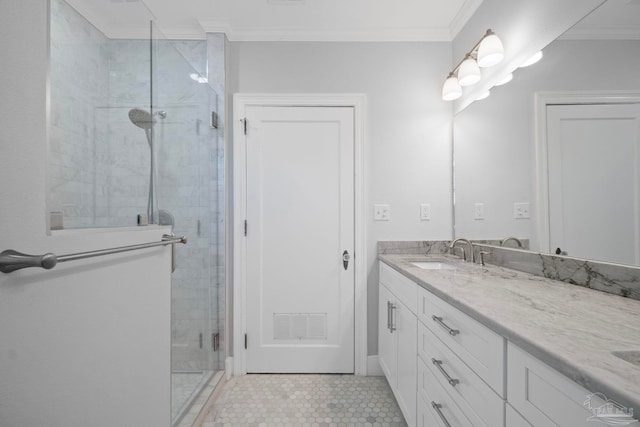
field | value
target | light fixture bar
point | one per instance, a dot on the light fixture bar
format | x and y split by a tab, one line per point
467	71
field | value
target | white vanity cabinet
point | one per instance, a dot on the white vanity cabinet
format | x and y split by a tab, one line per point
543	396
397	338
448	369
461	365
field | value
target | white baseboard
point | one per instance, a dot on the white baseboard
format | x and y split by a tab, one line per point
373	367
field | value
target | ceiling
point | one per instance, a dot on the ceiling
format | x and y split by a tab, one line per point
324	20
291	20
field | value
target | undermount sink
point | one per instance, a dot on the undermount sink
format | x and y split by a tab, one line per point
632	356
434	265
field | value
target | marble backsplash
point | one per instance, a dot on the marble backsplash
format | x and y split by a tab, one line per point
616	279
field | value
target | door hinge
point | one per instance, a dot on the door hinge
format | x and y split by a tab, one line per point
244	122
215	341
245	227
245	341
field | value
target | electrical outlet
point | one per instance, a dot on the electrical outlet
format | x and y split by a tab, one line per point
521	210
478	211
425	212
381	212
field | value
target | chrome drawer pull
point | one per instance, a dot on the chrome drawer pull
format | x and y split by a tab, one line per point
438	320
437	407
388	315
393	318
438	364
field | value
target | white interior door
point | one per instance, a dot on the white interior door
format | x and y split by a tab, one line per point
300	221
593	166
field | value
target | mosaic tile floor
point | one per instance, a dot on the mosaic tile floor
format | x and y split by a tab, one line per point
305	401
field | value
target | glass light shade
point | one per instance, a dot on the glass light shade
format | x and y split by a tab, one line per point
490	52
469	72
451	89
505	80
535	58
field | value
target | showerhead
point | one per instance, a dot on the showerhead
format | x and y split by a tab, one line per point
141	118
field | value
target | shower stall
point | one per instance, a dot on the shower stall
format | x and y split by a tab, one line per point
134	141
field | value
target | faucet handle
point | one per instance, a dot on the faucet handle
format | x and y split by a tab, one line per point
482	254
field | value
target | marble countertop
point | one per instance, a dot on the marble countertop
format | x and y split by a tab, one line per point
570	328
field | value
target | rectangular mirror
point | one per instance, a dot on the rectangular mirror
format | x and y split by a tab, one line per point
552	156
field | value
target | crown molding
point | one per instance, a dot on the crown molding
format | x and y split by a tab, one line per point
465	13
323	35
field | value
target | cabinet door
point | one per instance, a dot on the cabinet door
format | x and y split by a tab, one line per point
543	396
406	324
514	419
386	340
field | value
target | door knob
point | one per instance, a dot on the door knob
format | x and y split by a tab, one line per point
345	259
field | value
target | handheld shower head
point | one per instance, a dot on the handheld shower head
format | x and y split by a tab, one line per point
141	118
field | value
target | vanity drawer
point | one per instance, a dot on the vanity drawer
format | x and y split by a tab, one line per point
476	345
471	393
432	395
543	396
405	289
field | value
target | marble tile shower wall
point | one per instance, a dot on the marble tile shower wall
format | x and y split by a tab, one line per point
99	159
79	86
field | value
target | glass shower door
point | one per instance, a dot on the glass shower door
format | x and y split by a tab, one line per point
186	160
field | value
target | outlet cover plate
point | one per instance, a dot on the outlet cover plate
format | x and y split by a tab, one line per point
521	210
381	212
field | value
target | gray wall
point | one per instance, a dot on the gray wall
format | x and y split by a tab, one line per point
88	342
407	140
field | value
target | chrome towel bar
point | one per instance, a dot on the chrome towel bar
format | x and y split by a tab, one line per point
11	260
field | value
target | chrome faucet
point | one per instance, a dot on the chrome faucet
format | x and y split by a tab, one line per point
515	239
464	253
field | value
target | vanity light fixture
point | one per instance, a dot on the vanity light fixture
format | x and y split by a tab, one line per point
451	89
486	53
483	95
505	80
535	58
469	72
490	51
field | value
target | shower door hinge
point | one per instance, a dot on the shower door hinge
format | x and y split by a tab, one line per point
245	341
214	120
245	121
245	227
215	341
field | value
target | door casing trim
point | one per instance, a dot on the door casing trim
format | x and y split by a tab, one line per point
240	102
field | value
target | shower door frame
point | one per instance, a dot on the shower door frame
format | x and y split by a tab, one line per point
240	102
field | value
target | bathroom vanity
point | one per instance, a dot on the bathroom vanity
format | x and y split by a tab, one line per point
469	345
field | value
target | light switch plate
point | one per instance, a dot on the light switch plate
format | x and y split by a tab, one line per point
478	211
425	212
381	212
